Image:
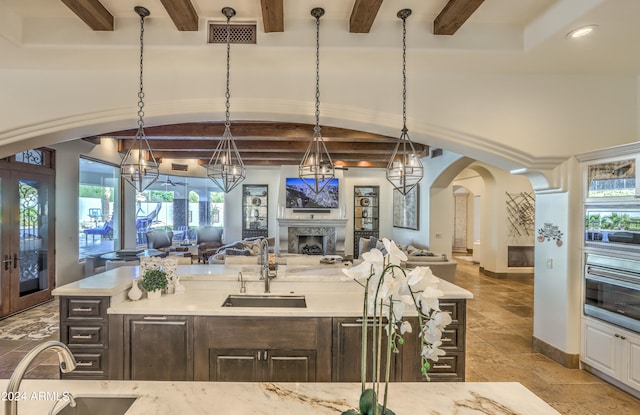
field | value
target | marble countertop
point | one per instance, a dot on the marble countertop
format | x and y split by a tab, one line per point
160	398
207	286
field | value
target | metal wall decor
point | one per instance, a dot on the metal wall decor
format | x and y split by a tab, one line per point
520	214
550	232
225	167
405	169
316	168
138	166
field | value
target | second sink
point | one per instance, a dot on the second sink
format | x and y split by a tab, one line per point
287	301
98	405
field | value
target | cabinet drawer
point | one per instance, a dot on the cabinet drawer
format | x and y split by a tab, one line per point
74	308
453	338
90	364
455	309
84	335
448	368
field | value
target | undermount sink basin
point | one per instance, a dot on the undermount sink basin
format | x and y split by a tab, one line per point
98	405
289	301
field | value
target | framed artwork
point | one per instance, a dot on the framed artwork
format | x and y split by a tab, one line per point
406	208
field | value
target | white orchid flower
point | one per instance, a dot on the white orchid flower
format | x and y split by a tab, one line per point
432	352
405	327
396	256
416	275
441	318
429	299
360	271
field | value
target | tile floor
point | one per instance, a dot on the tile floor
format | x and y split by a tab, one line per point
498	350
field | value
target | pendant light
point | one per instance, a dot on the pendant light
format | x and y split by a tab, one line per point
225	167
405	169
316	169
138	166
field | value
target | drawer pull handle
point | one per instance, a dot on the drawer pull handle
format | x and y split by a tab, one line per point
82	309
81	336
84	364
441	366
155	318
445	339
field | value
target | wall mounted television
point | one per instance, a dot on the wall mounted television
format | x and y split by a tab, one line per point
300	196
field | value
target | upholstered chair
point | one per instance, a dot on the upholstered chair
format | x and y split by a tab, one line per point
208	239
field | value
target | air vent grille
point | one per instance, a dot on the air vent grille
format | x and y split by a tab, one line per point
244	33
179	167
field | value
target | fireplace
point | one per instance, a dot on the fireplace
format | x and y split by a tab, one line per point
329	234
312	244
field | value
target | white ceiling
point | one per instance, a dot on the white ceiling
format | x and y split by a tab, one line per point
502	36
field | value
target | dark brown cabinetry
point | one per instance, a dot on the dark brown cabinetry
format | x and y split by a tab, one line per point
448	368
347	354
251	365
246	349
84	328
158	347
347	335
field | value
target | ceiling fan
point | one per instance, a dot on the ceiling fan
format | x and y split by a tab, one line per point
169	182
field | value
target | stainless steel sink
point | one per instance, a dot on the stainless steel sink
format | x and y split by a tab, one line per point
293	301
98	405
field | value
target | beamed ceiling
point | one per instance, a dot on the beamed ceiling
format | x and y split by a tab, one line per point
264	143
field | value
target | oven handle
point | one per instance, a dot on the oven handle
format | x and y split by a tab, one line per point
616	273
613	281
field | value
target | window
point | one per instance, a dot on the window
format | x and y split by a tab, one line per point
613	179
180	204
98	208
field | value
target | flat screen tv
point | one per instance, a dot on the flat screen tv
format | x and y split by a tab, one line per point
299	195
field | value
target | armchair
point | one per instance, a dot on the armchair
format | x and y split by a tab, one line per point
208	239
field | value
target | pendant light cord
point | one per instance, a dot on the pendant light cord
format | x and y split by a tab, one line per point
316	129
228	93
404	74
141	92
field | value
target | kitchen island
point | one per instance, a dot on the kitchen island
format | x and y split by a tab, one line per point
169	398
194	337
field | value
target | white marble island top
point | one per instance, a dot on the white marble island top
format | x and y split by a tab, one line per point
169	398
207	286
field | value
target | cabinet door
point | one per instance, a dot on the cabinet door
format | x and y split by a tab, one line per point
290	365
631	370
347	346
158	348
235	365
600	347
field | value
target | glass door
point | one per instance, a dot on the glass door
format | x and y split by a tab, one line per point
26	271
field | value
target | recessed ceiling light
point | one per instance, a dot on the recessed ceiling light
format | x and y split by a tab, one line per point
581	31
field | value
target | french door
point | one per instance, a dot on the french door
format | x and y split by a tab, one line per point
27	268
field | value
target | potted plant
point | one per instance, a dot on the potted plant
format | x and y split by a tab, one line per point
154	281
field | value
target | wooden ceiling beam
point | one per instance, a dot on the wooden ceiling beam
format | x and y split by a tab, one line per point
92	12
272	15
182	13
363	15
453	16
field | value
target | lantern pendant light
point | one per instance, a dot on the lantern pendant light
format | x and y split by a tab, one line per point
225	167
405	169
316	169
138	166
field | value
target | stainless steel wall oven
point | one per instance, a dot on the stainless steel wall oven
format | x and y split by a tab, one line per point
612	290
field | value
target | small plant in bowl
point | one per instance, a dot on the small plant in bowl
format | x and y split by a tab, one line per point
154	281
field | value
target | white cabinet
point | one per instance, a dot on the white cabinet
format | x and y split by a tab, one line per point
611	350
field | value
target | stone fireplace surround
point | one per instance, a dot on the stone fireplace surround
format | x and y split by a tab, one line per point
333	231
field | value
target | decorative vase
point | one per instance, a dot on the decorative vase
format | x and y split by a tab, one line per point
154	295
135	293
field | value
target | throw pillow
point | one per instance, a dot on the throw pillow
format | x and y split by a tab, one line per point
237	252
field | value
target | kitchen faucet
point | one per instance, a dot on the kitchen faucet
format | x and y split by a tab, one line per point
67	364
264	266
243	283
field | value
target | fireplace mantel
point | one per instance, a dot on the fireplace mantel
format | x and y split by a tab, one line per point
312	222
333	228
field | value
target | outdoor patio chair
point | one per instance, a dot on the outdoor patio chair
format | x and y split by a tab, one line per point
105	231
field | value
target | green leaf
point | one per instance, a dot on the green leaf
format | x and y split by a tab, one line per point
351	412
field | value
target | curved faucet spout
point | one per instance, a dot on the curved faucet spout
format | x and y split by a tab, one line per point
264	265
67	364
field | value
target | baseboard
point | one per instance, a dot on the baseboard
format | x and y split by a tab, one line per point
633	392
571	361
506	275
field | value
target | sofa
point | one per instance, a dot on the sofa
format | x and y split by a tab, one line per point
441	266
